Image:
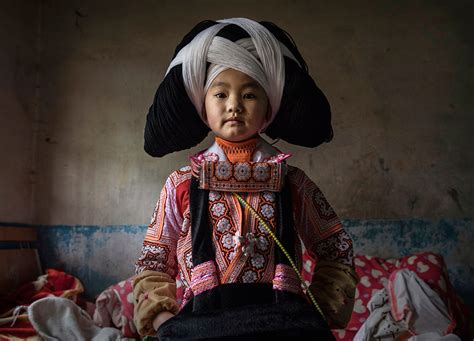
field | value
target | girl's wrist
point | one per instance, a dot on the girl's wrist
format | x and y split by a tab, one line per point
161	318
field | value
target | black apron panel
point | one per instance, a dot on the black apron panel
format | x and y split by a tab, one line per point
292	316
231	295
201	229
285	230
236	310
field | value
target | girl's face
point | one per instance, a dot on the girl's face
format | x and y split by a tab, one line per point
236	106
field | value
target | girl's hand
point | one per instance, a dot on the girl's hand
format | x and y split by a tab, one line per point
161	318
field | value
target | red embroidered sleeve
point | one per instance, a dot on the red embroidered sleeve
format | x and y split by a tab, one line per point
318	225
334	279
159	247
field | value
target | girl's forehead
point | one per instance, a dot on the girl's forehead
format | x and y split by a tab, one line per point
234	78
232	74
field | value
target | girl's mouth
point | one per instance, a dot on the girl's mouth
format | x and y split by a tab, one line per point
233	120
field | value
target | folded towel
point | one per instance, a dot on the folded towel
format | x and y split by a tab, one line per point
56	318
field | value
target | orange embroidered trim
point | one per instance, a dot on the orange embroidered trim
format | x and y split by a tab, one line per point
238	151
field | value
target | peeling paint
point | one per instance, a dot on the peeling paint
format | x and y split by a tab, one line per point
397	238
103	255
98	255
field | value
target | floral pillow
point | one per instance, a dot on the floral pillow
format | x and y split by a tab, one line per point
374	273
114	308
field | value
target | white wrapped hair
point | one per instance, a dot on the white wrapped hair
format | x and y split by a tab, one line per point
260	57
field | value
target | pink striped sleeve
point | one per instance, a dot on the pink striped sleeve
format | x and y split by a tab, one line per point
159	247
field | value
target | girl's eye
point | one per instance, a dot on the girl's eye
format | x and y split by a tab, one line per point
249	96
220	95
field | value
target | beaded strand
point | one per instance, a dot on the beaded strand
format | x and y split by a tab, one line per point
280	245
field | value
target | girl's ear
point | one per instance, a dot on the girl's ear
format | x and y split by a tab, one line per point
204	114
268	115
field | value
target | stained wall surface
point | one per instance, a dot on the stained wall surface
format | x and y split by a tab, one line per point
397	74
18	108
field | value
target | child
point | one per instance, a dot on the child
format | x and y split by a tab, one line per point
238	78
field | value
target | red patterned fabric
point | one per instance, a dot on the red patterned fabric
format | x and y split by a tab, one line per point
242	176
167	244
244	250
227	215
53	283
374	273
204	277
114	308
314	217
286	279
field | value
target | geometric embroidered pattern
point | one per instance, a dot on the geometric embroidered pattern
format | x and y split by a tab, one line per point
337	247
154	256
286	279
259	266
241	176
168	244
204	277
312	212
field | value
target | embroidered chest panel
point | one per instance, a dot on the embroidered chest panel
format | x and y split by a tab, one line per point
244	249
242	176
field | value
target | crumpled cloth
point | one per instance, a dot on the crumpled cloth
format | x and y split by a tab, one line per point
434	337
56	318
114	308
407	308
14	323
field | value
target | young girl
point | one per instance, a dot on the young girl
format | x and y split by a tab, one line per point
232	223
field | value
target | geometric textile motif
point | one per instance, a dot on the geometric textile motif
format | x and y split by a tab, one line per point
314	217
286	279
168	243
337	247
154	256
259	266
241	176
204	277
225	220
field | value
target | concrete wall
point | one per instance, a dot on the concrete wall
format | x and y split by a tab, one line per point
398	76
18	108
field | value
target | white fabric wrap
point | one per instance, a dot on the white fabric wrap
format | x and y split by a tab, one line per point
260	57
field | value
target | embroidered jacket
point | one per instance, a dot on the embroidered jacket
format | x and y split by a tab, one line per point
243	248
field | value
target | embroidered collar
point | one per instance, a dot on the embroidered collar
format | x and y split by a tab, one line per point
265	172
238	151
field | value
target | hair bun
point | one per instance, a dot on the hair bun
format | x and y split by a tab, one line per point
303	118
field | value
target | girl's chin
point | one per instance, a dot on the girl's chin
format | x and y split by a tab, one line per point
236	137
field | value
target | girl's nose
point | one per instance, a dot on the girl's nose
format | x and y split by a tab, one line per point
234	104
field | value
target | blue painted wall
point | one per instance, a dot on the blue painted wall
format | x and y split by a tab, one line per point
103	255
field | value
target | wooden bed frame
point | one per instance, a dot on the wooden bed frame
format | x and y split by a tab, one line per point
19	260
